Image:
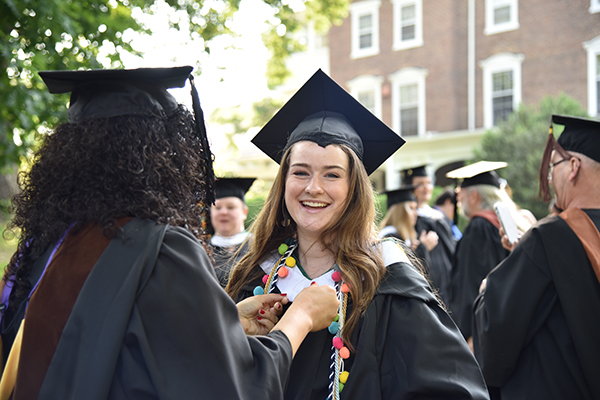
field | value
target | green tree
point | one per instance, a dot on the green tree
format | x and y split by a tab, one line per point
520	141
38	35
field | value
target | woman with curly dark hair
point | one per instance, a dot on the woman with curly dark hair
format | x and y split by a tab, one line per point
119	295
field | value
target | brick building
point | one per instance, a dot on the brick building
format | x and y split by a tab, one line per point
441	72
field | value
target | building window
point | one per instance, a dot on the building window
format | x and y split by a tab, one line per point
594	6
408	101
408	24
501	16
593	51
365	28
367	90
501	86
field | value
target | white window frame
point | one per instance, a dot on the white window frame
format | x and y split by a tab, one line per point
365	83
495	64
490	6
417	41
357	10
593	50
594	6
403	77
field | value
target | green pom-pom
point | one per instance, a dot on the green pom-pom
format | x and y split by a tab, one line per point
283	248
341	387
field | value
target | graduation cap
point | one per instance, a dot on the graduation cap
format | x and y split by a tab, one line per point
104	93
409	174
323	112
233	187
479	173
581	135
401	195
112	92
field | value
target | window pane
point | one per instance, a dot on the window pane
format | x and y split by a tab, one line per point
364	22
502	81
502	107
409	124
365	41
408	32
502	15
408	13
408	95
367	99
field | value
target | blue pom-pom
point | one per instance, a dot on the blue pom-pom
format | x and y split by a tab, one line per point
333	328
258	290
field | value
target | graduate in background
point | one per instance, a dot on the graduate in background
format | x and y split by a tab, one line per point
227	216
479	250
400	221
391	339
536	319
119	296
432	220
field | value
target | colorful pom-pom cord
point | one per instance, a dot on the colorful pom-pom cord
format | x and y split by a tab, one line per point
337	376
286	250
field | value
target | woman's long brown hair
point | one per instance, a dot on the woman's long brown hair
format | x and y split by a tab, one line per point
351	238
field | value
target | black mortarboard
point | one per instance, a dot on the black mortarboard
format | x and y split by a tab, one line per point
410	173
405	193
111	92
479	173
581	135
323	112
104	93
233	187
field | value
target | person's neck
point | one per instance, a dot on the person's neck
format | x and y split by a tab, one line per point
228	235
314	258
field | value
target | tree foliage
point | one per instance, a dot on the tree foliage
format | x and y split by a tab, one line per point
37	35
520	141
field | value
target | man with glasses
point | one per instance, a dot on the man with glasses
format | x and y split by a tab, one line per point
536	323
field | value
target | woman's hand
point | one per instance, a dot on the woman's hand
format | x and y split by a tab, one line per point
312	310
429	239
258	314
504	240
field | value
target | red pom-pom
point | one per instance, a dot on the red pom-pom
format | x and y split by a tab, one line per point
344	353
337	342
265	279
336	276
282	272
345	288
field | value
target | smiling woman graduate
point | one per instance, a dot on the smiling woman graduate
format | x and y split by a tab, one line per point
391	338
111	295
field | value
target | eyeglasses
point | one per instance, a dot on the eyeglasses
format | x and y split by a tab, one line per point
552	165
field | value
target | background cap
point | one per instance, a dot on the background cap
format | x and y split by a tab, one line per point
401	195
112	92
410	173
233	187
323	112
479	173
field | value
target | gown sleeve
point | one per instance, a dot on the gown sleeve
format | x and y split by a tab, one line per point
184	338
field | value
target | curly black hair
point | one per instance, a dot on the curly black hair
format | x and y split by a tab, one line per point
142	166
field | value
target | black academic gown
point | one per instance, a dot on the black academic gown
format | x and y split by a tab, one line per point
537	323
477	253
152	322
440	257
406	347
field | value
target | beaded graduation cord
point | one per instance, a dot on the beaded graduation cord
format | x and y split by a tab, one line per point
339	352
